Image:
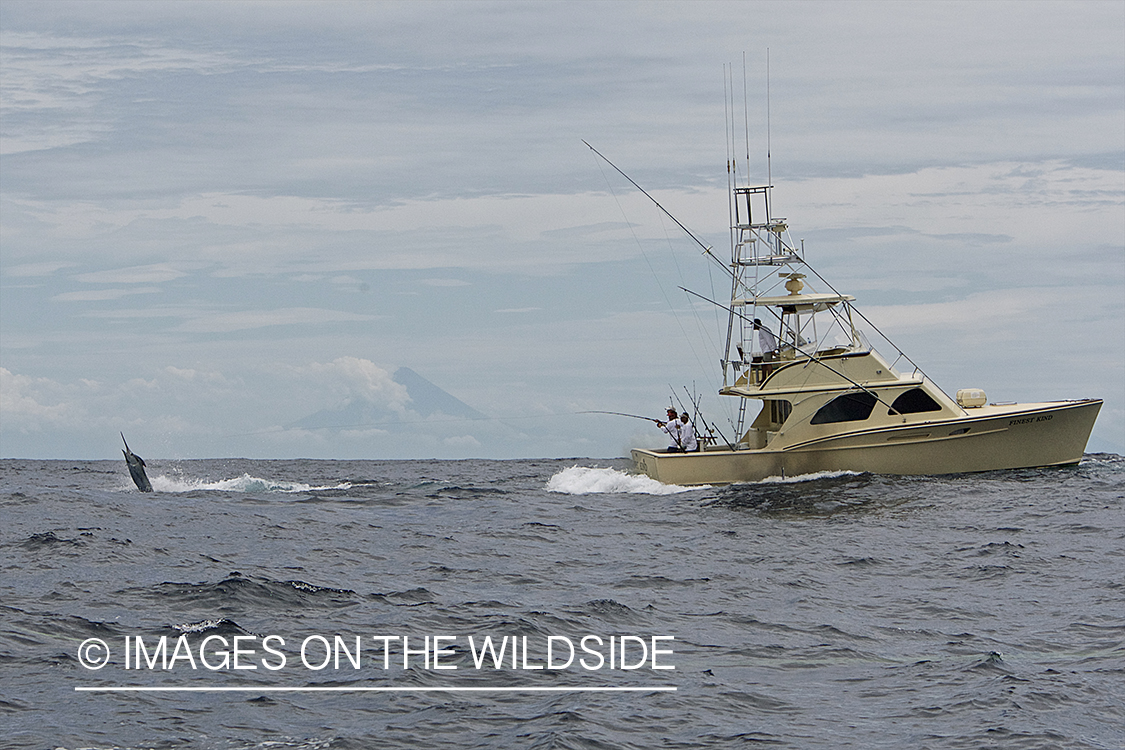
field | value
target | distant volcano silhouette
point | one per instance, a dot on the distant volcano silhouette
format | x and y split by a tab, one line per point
426	400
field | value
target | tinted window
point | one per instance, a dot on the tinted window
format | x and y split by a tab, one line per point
780	411
851	407
914	401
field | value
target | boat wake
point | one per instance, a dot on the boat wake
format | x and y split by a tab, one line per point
244	483
583	480
816	475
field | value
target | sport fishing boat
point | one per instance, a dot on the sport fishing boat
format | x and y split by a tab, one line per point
829	400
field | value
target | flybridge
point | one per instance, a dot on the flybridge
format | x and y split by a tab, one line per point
813	301
759	243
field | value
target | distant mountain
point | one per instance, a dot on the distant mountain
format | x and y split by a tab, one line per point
426	400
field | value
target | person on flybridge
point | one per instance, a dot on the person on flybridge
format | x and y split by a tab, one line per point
766	340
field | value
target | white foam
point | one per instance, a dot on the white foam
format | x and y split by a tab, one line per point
244	483
198	627
808	477
583	480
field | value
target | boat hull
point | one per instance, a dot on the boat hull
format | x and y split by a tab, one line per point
1030	435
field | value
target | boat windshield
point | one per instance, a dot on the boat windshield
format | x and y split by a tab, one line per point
794	331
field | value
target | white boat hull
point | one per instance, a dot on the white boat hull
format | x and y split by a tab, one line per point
997	437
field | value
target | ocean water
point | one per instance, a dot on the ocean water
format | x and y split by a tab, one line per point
346	604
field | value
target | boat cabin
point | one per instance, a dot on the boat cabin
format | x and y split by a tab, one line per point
817	376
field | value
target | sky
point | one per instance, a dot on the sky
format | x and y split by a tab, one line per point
218	219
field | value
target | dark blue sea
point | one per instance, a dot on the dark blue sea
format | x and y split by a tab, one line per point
557	604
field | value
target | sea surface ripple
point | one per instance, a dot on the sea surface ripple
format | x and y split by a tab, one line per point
831	611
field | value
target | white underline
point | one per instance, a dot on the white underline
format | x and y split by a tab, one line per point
250	689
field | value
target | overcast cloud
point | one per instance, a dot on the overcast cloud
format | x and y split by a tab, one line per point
217	219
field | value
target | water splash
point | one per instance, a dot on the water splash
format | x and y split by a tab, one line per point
583	480
244	483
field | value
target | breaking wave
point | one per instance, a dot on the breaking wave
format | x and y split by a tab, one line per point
582	480
244	483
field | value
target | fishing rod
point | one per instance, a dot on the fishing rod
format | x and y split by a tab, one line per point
672	408
713	427
683	409
621	414
695	411
728	309
710	434
706	248
734	314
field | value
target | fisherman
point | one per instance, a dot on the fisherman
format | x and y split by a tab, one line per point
687	434
766	340
673	428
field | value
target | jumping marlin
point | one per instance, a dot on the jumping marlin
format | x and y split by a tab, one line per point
136	466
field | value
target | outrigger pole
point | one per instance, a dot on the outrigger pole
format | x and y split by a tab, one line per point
706	248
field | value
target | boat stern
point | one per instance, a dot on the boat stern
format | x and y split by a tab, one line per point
708	467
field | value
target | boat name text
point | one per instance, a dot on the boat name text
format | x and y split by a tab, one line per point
1029	420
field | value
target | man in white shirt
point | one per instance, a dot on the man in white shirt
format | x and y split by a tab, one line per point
766	340
688	441
672	428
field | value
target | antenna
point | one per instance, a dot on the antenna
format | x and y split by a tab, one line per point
726	123
769	164
728	128
746	120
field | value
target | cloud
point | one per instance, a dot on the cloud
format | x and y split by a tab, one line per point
102	294
462	441
251	319
353	377
82	417
154	274
938	162
995	309
28	270
65	75
36	404
210	378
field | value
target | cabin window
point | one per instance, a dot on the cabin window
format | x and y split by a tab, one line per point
851	407
914	401
780	411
